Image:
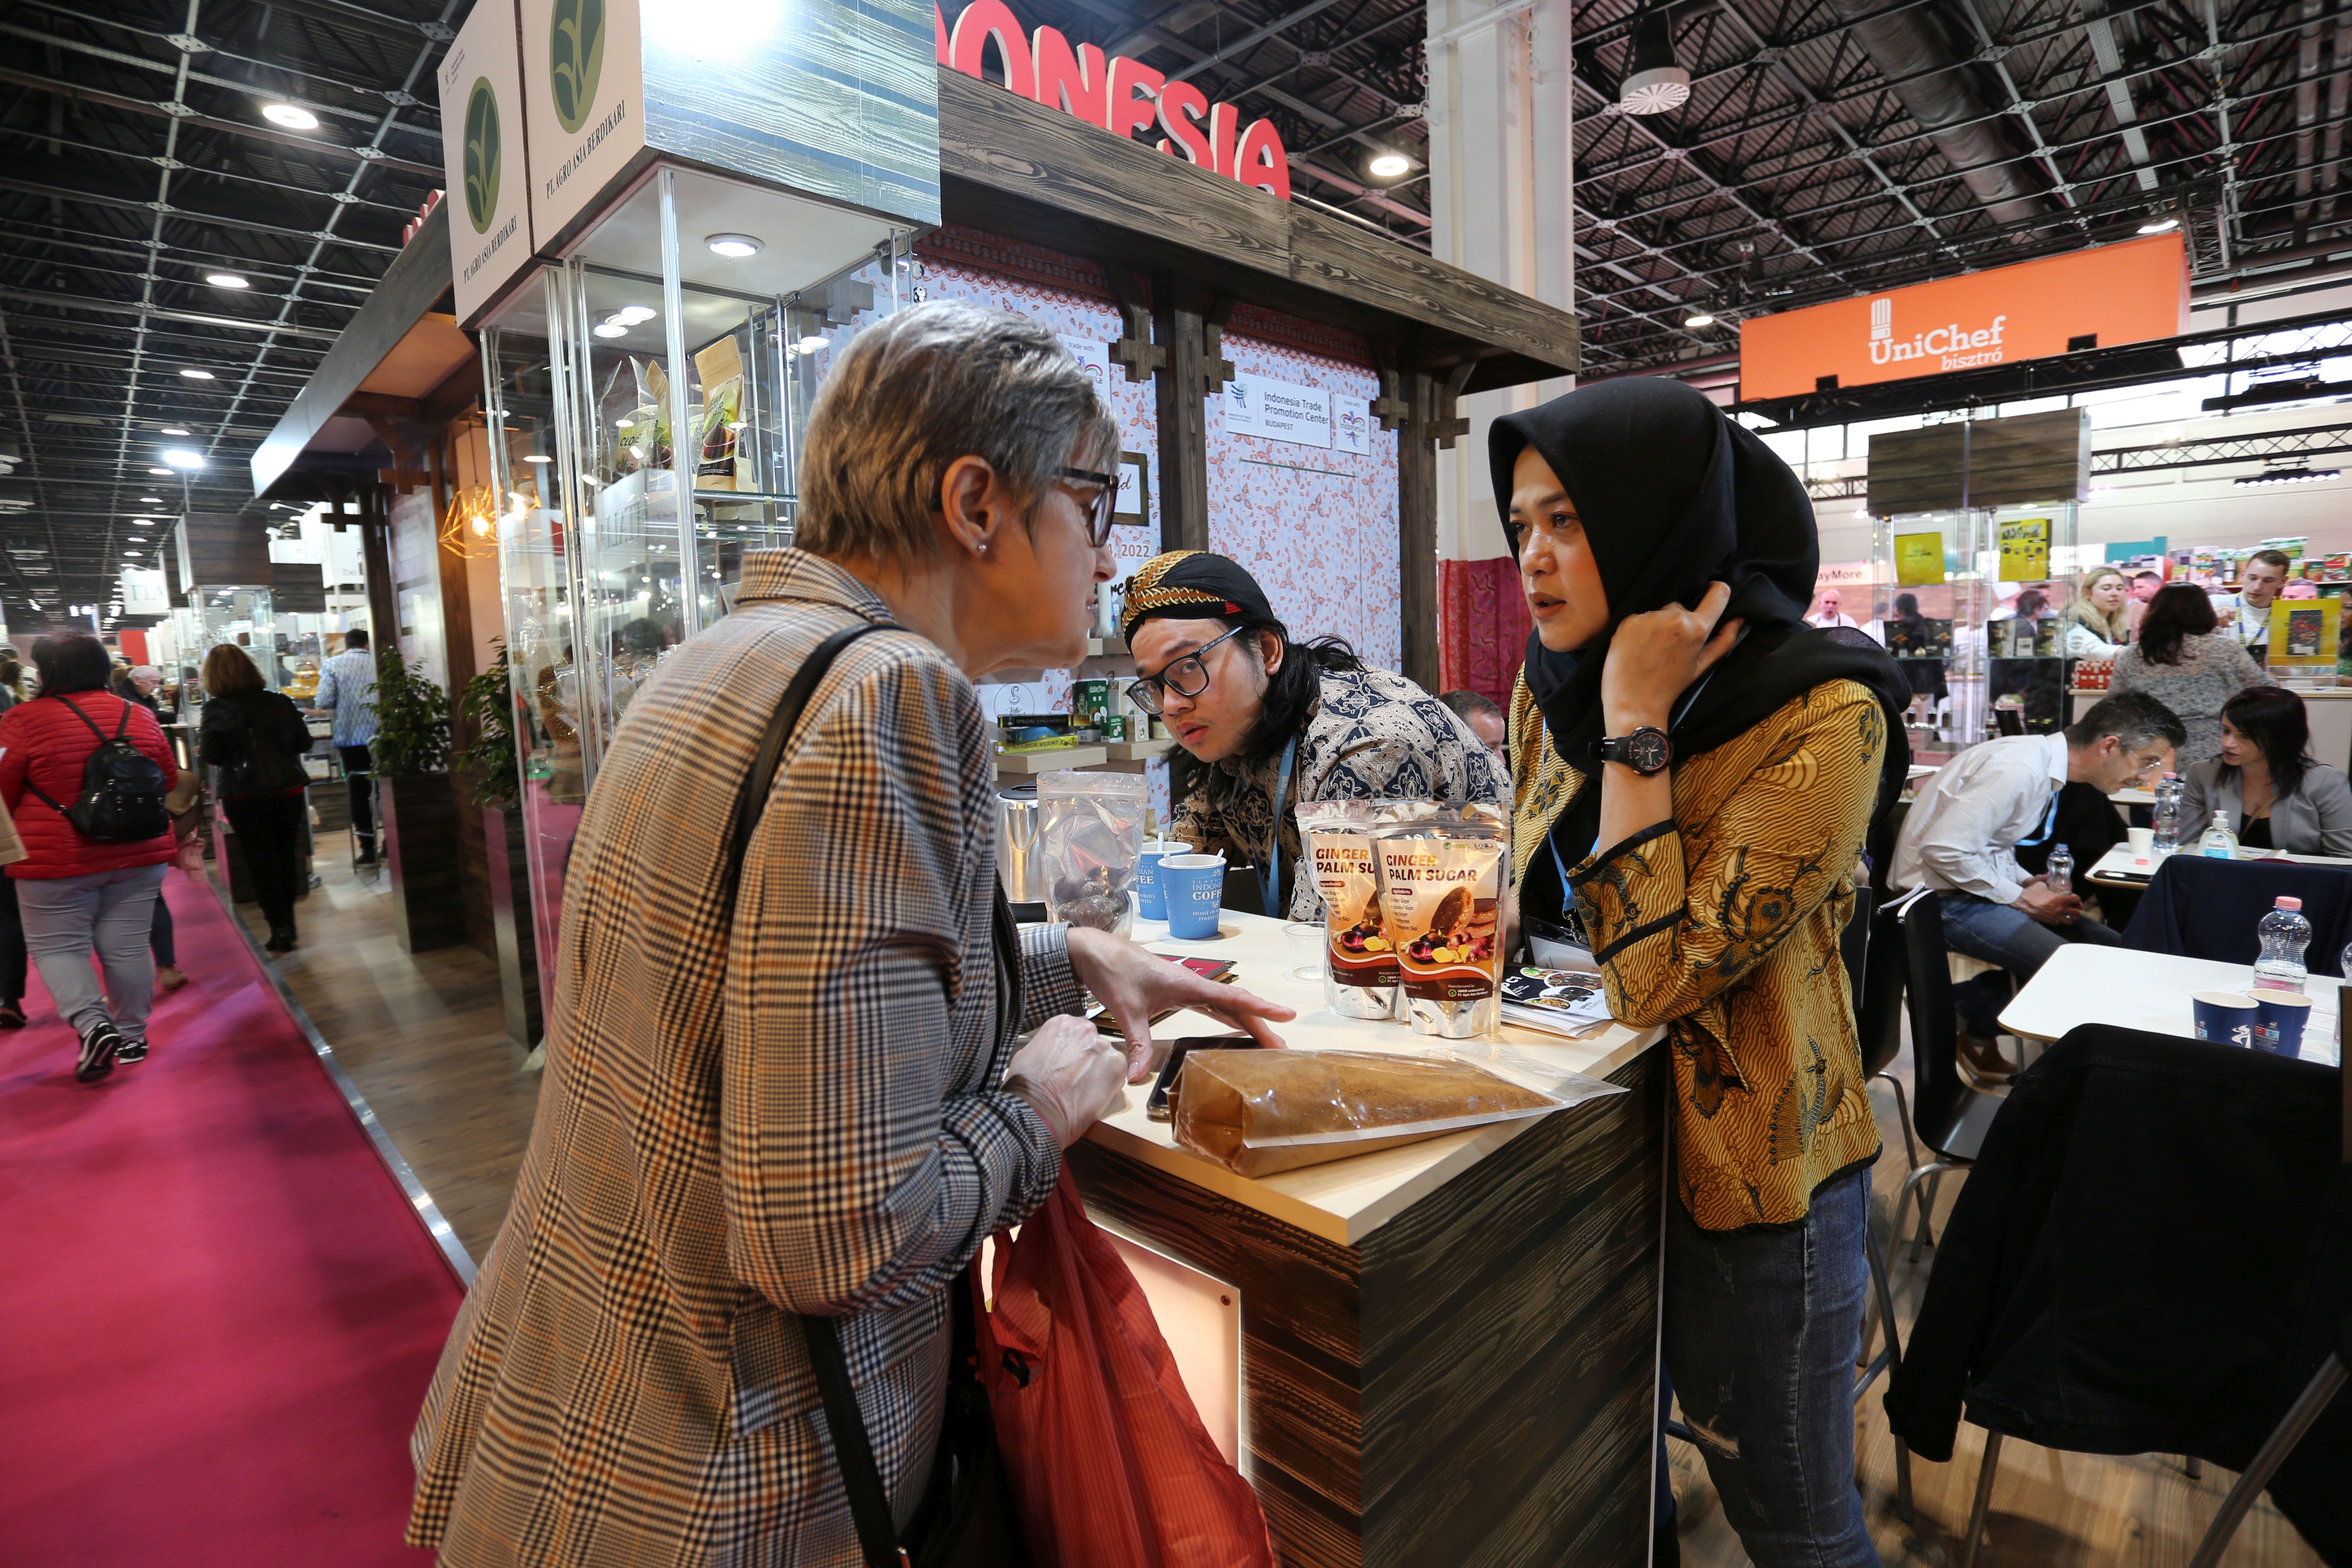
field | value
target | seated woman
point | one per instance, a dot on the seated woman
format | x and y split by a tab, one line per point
1696	771
2096	625
1278	723
2178	661
2275	795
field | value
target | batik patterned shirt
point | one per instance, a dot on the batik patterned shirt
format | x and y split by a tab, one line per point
1373	735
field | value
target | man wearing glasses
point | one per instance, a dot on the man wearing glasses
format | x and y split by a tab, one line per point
1269	724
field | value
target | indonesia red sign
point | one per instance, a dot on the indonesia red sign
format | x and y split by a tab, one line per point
1118	94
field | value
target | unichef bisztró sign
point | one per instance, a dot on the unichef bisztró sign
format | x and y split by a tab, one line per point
481	102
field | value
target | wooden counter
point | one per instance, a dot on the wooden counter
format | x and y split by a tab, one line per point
1449	1351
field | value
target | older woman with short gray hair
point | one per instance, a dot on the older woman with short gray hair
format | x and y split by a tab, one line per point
810	1099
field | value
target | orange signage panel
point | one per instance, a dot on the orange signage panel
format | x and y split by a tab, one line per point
2129	292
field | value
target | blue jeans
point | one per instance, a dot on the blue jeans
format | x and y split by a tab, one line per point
1762	1327
2012	939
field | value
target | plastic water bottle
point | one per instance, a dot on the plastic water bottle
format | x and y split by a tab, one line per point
2286	934
2169	791
2060	875
2219	843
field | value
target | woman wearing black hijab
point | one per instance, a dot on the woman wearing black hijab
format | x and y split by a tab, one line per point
1697	771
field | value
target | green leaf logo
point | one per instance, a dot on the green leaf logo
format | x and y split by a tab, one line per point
575	58
481	155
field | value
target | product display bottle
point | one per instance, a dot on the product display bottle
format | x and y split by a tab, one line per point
2061	873
2286	934
2219	843
2169	791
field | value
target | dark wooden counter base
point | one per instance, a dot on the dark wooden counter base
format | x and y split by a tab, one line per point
1476	1382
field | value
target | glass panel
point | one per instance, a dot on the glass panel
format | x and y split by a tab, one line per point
2027	665
1933	626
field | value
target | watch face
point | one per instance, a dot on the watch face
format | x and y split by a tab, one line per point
1646	750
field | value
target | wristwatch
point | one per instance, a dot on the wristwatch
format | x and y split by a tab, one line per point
1646	750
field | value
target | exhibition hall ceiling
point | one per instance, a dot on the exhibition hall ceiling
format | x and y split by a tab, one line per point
196	195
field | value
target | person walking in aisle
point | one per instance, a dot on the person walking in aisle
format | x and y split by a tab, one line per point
347	692
253	738
73	892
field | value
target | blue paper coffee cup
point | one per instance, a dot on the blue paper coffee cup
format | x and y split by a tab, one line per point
1193	887
1149	901
2225	1018
2279	1020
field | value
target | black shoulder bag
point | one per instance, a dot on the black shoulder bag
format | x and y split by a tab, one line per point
966	1518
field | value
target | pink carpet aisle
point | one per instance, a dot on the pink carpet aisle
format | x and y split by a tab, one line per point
218	1311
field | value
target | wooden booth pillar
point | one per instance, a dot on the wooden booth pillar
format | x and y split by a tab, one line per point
1422	407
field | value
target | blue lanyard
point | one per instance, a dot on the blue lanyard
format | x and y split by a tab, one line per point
1269	874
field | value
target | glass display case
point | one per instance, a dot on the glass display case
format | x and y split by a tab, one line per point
639	370
1973	603
241	616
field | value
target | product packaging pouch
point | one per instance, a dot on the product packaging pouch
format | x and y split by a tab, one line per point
1442	904
1259	1111
1359	974
1089	837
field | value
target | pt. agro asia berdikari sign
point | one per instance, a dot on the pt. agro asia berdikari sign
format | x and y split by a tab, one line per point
1118	94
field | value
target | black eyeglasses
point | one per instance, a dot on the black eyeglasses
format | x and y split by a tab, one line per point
1186	677
1103	508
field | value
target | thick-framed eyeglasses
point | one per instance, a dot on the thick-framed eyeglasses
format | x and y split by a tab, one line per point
1103	508
1186	677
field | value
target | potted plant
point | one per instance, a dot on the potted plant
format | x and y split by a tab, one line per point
486	707
420	813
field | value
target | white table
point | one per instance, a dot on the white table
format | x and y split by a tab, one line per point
2119	867
2085	985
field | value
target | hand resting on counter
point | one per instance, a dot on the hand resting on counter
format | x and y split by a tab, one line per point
1133	985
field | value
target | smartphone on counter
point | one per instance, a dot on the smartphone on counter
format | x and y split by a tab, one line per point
1157	1107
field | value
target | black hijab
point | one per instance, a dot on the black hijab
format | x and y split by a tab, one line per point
1672	495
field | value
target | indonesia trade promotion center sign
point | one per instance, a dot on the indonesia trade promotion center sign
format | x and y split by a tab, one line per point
2133	292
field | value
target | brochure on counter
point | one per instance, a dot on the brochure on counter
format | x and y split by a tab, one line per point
1558	1001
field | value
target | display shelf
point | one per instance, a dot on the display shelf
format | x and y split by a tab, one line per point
1138	750
1028	763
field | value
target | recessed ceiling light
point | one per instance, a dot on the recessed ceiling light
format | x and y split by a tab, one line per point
2160	225
180	458
177	430
290	116
165	472
538	458
133	553
630	315
194	374
153	500
1698	318
734	246
142	522
610	329
810	345
1389	166
227	280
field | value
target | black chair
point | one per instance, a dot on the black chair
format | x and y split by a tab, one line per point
1872	948
1950	1117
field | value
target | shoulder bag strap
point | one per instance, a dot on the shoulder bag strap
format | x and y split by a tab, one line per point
861	1476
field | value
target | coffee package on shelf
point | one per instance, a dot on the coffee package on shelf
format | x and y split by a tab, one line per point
1442	906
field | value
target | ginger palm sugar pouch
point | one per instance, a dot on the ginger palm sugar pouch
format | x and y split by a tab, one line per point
1441	901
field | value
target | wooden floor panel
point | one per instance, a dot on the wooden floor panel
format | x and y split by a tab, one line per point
424	1037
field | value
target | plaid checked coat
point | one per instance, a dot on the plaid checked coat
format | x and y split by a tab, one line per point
800	1114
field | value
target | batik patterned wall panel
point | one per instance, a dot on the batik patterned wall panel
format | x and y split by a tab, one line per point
1482	621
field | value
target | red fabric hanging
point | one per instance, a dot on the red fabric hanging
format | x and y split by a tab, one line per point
1107	1457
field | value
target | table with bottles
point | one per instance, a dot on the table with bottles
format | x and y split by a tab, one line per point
2082	983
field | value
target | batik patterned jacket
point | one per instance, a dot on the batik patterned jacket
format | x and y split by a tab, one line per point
796	1112
1722	923
1373	735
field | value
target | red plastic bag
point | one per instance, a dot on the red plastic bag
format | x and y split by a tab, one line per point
1107	1456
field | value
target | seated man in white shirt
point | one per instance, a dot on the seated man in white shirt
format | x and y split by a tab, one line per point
1963	832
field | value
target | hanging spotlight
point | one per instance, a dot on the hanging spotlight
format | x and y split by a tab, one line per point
1697	318
290	116
1390	166
1653	83
2164	224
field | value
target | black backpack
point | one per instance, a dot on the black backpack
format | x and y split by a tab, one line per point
121	799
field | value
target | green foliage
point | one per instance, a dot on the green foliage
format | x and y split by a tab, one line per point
575	51
488	703
482	148
412	717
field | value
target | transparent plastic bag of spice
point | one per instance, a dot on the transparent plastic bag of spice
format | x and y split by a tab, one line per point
1089	837
1442	884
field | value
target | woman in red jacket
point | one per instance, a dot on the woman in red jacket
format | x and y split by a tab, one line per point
76	892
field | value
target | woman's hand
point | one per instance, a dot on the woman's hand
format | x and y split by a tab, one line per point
1133	985
1070	1075
1655	657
